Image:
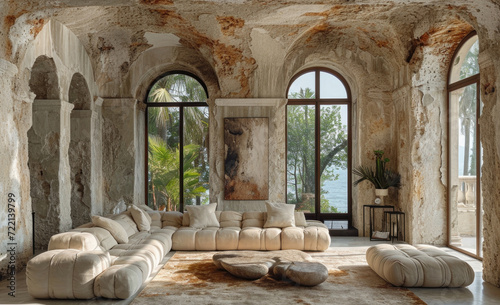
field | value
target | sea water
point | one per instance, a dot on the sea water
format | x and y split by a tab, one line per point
337	191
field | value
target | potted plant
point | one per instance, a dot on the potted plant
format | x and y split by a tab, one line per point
381	177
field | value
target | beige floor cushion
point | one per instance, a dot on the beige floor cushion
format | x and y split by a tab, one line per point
65	274
419	266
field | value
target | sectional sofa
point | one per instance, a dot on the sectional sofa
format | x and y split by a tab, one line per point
111	257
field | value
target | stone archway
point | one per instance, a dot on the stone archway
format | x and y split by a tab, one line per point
43	150
80	150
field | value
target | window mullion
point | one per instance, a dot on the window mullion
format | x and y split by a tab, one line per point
478	171
181	159
317	181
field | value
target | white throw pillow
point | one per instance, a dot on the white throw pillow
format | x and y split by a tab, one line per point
144	207
141	218
300	219
280	215
116	230
202	216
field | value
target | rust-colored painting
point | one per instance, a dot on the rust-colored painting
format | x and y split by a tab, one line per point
246	162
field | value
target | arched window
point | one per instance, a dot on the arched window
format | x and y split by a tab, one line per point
465	156
319	146
177	142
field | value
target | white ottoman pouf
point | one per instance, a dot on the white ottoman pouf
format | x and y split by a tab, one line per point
65	274
419	266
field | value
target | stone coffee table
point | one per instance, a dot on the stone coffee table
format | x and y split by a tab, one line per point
292	265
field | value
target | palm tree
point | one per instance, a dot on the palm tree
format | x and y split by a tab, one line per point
164	129
164	167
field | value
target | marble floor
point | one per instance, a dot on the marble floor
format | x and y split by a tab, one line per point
477	293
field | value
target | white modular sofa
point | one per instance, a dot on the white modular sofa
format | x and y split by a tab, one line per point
95	261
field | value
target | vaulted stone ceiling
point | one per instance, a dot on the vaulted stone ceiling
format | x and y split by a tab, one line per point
225	33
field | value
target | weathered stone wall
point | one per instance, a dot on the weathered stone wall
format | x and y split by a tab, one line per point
14	175
490	139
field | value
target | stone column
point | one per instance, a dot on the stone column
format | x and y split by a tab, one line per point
139	144
96	181
49	168
80	162
490	140
118	153
64	168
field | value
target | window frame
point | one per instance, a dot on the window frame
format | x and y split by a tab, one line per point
318	102
180	106
459	84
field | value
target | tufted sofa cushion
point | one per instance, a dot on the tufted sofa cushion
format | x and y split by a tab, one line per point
419	266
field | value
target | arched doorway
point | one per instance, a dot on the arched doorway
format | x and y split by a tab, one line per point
80	150
43	150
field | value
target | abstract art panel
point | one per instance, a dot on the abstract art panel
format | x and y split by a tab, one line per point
246	161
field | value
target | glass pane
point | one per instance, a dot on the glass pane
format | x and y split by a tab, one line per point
301	157
163	158
333	154
196	170
465	63
303	87
330	86
177	88
463	154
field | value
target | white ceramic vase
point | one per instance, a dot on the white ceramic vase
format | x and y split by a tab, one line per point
381	193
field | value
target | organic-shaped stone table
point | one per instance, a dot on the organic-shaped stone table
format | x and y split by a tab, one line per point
293	265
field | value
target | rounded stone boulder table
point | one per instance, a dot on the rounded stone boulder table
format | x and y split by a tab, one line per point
293	265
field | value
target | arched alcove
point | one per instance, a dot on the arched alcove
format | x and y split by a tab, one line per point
79	94
80	150
43	81
43	150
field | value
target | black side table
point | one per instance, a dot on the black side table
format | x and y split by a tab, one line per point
372	208
395	219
